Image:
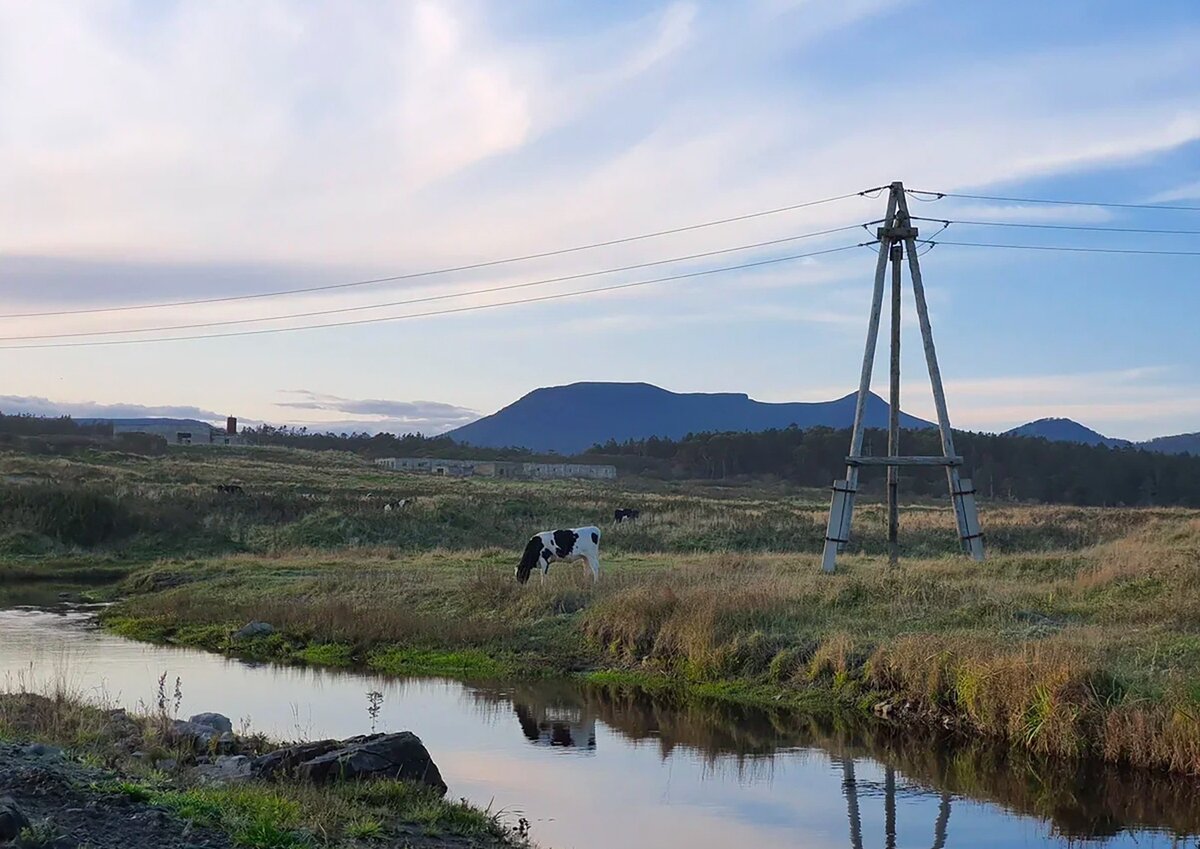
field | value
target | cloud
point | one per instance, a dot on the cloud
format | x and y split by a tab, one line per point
37	406
380	414
1188	191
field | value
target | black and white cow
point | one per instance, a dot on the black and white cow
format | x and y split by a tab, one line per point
573	544
623	513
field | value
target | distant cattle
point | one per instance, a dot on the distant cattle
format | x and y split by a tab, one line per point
398	505
567	544
230	489
623	513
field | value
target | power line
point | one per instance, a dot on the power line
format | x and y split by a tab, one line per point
452	269
1062	248
473	308
940	195
430	298
1085	227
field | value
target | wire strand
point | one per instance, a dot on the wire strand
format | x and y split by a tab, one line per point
1087	227
939	195
430	298
1063	248
449	270
455	310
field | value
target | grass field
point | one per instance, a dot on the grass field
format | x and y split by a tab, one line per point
1079	635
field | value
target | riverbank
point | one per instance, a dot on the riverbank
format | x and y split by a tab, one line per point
1090	651
89	776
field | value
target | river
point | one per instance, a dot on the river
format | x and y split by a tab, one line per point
592	767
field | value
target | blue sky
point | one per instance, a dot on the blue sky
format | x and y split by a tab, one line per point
170	151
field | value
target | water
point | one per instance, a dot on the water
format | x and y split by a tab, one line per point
593	767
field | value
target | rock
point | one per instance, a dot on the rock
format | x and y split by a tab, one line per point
167	765
192	735
401	755
41	750
254	629
11	819
216	721
226	769
285	761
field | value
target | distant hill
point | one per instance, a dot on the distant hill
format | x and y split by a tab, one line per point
1066	430
1183	443
570	419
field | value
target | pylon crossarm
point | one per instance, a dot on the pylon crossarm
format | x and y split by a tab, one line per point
904	461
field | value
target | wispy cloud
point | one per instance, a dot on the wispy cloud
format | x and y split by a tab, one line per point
37	406
382	414
1188	191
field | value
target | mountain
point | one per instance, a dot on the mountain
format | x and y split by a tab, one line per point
1066	430
1183	443
570	419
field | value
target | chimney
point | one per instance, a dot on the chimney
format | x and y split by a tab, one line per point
231	425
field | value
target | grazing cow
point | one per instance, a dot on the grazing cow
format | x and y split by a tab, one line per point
546	547
230	488
397	505
623	513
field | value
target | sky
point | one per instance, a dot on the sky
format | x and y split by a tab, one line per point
153	152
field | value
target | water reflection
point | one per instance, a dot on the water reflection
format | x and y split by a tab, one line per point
1080	800
595	766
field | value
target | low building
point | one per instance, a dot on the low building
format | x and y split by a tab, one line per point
499	468
429	466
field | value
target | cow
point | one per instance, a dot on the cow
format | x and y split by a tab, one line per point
623	513
398	505
230	488
566	544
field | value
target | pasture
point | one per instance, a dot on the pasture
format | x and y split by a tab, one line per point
1080	634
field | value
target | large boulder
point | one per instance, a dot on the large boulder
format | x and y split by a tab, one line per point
254	629
217	721
400	755
204	731
11	819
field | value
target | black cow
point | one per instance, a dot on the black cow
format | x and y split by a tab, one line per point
623	513
230	488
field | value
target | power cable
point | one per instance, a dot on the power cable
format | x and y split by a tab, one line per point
939	195
455	310
452	269
431	298
1063	248
1085	227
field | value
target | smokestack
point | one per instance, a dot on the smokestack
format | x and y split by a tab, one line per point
231	425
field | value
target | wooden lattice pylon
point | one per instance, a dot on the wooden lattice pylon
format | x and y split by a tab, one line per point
897	237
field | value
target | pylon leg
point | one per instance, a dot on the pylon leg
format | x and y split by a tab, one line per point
840	509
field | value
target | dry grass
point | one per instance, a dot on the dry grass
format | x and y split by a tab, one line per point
1080	633
1094	649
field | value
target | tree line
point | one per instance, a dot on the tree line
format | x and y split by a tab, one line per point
1004	467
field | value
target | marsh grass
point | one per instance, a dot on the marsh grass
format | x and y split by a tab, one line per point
1079	634
1089	650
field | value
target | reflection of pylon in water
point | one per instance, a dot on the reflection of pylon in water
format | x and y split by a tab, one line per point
850	790
897	236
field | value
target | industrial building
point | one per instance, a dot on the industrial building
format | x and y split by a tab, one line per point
499	468
182	431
